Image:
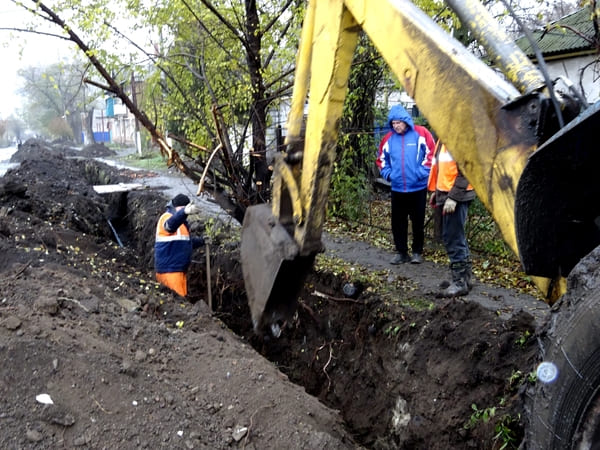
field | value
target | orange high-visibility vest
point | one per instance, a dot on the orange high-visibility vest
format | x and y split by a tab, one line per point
175	248
443	171
162	235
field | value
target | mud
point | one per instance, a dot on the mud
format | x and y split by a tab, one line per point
129	365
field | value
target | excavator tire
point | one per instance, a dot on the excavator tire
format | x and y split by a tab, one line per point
565	413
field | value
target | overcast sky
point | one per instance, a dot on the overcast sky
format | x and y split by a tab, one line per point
19	50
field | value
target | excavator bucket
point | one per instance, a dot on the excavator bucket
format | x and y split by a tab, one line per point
274	272
557	212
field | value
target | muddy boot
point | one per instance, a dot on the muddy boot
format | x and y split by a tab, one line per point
469	274
445	283
458	287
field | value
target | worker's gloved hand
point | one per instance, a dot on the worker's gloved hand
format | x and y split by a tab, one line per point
432	200
191	208
449	206
207	240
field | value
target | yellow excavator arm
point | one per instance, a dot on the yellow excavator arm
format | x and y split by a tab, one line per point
492	122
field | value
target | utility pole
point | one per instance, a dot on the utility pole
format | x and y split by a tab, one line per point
138	139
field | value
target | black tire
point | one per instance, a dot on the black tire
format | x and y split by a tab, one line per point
572	343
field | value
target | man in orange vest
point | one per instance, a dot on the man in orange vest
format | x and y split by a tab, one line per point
173	245
453	193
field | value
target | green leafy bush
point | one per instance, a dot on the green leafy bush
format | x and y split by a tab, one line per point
349	194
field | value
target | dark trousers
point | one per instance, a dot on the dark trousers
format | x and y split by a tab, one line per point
408	205
453	233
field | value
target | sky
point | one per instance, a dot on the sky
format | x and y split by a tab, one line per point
24	49
18	50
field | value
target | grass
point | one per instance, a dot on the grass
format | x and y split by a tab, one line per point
149	161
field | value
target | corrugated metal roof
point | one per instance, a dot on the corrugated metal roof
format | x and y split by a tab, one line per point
559	41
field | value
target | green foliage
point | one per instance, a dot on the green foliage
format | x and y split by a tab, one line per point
349	193
507	429
212	227
391	330
215	57
479	415
506	432
421	120
202	54
522	340
149	160
354	167
483	233
419	303
515	379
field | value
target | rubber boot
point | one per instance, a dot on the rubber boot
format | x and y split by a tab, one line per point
458	287
444	283
469	274
468	277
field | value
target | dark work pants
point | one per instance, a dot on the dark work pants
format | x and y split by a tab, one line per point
453	233
408	205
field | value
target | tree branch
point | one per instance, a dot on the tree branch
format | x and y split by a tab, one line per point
227	24
173	157
40	33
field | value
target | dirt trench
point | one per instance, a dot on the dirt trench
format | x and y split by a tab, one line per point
451	374
401	377
404	378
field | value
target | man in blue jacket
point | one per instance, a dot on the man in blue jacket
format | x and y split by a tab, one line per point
404	159
173	244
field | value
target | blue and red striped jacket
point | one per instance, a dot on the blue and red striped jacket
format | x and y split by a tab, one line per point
405	159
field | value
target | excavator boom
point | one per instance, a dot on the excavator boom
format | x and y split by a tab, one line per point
491	123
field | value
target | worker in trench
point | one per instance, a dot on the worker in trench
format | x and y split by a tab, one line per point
174	245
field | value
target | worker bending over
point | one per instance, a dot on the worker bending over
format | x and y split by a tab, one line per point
174	245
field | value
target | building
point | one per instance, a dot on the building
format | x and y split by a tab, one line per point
119	126
567	46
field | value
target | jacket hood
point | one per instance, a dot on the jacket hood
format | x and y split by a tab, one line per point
397	112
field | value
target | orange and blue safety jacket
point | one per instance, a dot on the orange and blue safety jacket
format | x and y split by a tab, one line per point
446	179
173	244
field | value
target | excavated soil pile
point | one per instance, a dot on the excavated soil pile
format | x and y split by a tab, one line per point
38	149
127	364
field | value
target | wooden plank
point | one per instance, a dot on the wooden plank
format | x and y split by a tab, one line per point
121	187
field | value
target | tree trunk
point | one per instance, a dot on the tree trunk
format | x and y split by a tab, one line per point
258	161
75	125
88	131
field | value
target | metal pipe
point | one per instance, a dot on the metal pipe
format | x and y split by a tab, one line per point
114	232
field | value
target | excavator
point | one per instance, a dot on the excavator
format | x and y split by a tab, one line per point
526	146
